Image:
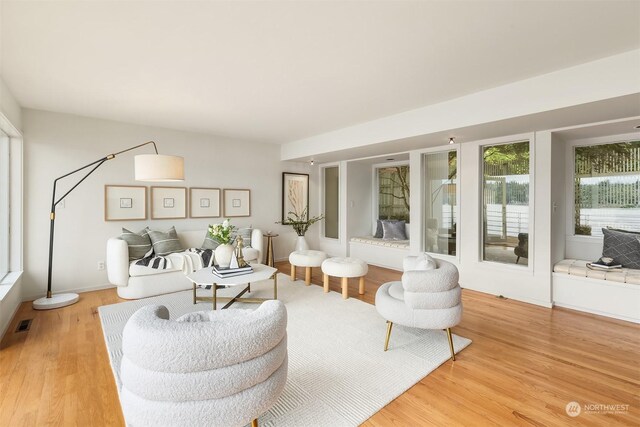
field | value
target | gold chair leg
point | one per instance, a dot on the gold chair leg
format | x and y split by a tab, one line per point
325	280
386	341
453	353
307	276
361	286
254	423
293	273
345	287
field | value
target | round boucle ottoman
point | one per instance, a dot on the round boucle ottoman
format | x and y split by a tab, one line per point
344	268
306	259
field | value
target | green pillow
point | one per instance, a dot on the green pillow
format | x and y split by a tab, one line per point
139	243
165	242
209	242
246	236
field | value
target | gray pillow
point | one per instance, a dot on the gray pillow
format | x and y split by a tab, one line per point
246	236
393	230
379	230
209	242
139	243
165	242
623	247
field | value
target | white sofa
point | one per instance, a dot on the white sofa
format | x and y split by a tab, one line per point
135	281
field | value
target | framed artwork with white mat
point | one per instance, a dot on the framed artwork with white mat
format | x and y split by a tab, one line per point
237	202
125	203
204	202
168	202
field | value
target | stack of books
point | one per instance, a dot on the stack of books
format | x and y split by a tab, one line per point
224	272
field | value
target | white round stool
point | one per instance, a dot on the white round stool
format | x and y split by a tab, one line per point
307	259
344	268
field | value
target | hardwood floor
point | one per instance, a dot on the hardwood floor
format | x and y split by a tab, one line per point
525	364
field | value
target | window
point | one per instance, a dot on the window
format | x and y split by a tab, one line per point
505	195
441	210
606	187
331	201
393	192
4	204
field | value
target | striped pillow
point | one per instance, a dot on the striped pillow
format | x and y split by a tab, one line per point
246	236
165	242
209	242
139	243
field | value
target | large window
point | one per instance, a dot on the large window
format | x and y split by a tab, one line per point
4	204
606	187
441	210
393	192
505	195
331	201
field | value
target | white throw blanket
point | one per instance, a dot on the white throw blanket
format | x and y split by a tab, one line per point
188	261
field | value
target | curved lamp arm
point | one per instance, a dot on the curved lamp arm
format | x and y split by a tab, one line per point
96	164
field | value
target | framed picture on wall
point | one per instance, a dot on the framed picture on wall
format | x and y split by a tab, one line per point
168	202
236	202
295	196
125	203
204	202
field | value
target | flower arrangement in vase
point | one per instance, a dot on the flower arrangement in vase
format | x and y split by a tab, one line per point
300	224
223	234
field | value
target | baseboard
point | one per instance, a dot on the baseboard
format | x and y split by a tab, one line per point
597	312
75	290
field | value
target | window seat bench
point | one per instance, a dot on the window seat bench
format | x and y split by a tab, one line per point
614	293
380	252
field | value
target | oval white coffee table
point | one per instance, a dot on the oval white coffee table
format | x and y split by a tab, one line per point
205	276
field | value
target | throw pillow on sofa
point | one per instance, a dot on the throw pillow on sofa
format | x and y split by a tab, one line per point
246	236
139	243
394	230
379	231
209	242
622	246
165	242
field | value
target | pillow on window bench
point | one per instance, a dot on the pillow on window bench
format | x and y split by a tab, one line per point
394	230
622	246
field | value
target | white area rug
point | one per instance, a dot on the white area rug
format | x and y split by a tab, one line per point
339	374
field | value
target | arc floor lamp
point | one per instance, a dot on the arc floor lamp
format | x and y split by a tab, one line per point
148	167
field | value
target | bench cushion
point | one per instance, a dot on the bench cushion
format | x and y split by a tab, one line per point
574	267
398	244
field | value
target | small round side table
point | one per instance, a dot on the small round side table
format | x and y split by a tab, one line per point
270	248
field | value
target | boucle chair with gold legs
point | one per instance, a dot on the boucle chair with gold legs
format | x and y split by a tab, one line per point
209	368
428	297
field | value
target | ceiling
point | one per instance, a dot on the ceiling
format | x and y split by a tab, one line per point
275	71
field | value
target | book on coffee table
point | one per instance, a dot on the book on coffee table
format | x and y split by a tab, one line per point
230	272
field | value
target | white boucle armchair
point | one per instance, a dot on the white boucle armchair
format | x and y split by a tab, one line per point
428	297
209	368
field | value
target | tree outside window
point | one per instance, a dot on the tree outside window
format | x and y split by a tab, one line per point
393	193
606	187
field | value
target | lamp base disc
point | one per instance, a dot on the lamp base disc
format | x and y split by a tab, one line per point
56	301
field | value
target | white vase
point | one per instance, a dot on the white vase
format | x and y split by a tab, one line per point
301	244
223	254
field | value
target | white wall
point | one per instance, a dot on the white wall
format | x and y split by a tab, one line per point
9	106
602	79
58	143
